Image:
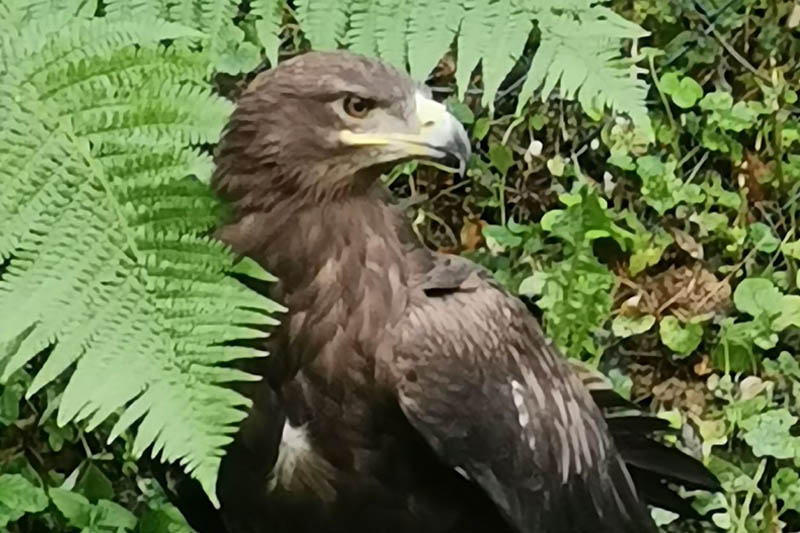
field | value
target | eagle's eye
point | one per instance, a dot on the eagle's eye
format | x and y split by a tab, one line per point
358	107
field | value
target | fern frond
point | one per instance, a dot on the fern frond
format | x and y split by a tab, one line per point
323	21
473	38
137	8
17	13
170	114
360	37
500	55
101	229
269	15
391	26
431	30
43	46
581	55
71	83
206	16
478	42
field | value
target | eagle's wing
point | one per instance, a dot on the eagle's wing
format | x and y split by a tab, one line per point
477	378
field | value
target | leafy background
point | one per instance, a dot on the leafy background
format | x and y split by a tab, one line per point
643	203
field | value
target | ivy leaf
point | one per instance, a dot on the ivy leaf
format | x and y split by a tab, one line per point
768	434
789	307
460	110
533	284
682	340
501	157
481	128
94	484
722	196
685	92
786	487
661	188
556	165
710	223
647	245
792	249
585	219
662	517
166	519
717	101
756	296
75	507
624	326
112	515
499	238
12	392
763	238
241	57
18	496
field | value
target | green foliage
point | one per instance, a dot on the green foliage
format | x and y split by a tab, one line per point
681	278
578	47
684	91
19	496
662	246
579	50
96	145
683	339
624	326
575	292
662	190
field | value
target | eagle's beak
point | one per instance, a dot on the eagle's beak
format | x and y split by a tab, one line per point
437	135
442	133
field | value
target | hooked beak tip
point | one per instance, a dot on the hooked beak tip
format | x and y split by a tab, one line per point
444	133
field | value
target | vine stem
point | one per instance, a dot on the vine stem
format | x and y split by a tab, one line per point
751	490
675	146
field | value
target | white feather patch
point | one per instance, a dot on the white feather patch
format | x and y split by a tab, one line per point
299	467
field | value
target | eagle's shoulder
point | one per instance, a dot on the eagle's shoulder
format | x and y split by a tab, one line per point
444	273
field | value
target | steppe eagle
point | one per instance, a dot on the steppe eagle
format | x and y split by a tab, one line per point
407	391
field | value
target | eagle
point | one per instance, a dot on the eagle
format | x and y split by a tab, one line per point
407	391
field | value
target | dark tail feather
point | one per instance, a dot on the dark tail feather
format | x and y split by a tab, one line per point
608	399
668	463
651	464
658	494
639	425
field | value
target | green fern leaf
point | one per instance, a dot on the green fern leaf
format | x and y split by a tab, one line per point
101	223
581	55
473	38
324	22
361	35
500	55
137	8
269	15
391	25
432	28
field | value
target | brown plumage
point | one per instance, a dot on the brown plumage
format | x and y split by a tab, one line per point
407	391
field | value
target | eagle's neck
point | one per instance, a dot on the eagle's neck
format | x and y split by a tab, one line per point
343	270
295	241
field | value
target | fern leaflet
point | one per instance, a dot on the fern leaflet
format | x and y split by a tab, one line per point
581	55
101	225
324	21
431	30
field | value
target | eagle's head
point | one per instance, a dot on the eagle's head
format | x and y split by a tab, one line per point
326	124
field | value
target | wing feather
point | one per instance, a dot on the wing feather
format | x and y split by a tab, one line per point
477	378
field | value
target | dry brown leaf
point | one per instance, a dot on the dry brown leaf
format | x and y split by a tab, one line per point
704	366
472	234
687	243
684	292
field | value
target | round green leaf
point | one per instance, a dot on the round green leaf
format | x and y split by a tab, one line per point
683	340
